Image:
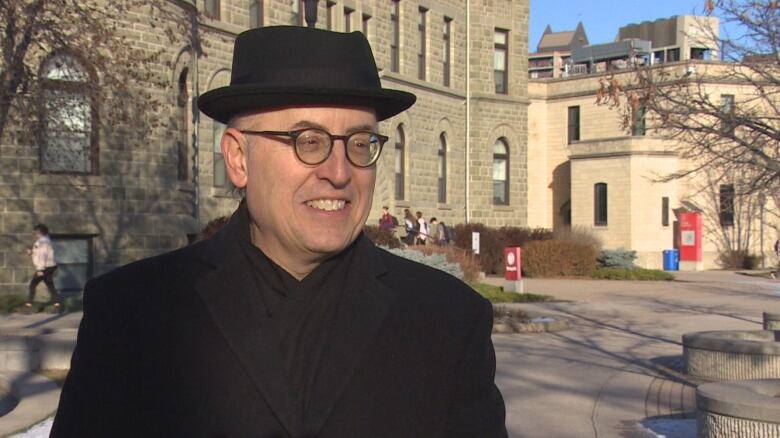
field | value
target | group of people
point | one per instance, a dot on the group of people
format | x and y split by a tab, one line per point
418	230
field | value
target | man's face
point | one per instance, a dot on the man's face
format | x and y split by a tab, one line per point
304	213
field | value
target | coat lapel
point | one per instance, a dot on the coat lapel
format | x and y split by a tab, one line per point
236	308
360	314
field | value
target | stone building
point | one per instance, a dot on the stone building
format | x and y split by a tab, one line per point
459	154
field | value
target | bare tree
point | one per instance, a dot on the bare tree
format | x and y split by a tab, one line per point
88	46
728	133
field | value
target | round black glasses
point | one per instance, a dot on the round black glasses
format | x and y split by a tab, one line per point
313	146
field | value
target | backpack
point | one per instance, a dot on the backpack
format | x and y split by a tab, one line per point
449	235
395	221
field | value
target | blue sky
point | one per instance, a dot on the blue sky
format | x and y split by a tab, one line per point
602	18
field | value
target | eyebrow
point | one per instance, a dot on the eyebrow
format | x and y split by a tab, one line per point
303	124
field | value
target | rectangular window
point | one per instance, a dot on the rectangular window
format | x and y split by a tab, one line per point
74	255
665	211
395	18
211	9
256	14
446	50
220	174
699	53
574	124
348	19
727	196
638	124
364	26
727	123
658	57
501	61
600	204
330	7
672	55
423	14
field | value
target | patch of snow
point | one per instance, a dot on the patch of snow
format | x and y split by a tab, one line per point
40	430
669	427
543	319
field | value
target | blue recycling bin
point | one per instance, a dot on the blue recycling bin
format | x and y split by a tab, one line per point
671	260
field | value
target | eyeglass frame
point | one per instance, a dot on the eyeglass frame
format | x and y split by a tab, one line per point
345	138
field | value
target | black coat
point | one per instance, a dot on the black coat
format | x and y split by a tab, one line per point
171	346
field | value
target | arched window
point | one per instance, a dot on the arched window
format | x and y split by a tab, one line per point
400	165
600	204
182	101
442	168
221	79
67	115
256	14
500	172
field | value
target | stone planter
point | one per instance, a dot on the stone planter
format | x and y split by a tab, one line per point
746	409
771	321
732	355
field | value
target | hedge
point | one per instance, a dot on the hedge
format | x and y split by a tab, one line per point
558	258
492	242
632	274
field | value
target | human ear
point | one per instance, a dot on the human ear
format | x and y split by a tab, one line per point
234	150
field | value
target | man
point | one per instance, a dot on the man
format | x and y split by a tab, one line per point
287	322
422	227
42	254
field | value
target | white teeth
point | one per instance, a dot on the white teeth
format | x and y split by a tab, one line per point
327	204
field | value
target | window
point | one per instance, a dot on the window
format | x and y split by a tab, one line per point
727	205
665	211
256	12
442	170
700	53
348	19
446	50
638	123
331	8
211	9
672	55
400	146
658	57
727	113
574	124
182	104
395	60
423	13
364	26
74	255
500	63
220	174
600	204
67	114
500	172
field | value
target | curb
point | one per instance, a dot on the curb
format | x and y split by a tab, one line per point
38	398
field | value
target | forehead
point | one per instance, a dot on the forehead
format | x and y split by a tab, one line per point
329	115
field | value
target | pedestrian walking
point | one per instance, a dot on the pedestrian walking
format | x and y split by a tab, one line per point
42	253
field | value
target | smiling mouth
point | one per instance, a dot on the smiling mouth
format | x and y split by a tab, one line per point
327	204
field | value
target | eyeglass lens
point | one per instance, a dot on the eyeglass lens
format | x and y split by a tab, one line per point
313	147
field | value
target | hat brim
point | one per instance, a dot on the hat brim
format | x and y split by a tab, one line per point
223	103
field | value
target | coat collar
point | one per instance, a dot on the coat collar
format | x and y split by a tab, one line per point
227	288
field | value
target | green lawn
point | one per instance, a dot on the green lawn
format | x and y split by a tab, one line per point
497	294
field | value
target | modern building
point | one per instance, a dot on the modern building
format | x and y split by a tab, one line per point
459	154
553	52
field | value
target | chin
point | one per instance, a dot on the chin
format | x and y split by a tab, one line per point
330	243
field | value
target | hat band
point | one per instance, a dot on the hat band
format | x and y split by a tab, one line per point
307	77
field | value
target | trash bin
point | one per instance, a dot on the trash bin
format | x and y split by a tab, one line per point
671	260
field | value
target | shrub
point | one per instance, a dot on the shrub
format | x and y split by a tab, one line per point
437	261
381	237
739	259
463	258
632	274
578	234
492	242
558	258
496	294
617	258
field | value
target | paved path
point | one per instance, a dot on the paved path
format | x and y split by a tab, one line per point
618	363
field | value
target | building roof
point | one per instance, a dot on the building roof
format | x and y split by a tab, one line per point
562	41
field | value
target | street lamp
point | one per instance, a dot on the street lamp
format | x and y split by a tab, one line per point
310	9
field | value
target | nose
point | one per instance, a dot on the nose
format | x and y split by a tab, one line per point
336	169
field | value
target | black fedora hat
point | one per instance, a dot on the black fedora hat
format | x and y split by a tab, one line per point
289	65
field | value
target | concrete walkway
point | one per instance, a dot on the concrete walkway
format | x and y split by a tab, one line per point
615	367
618	364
